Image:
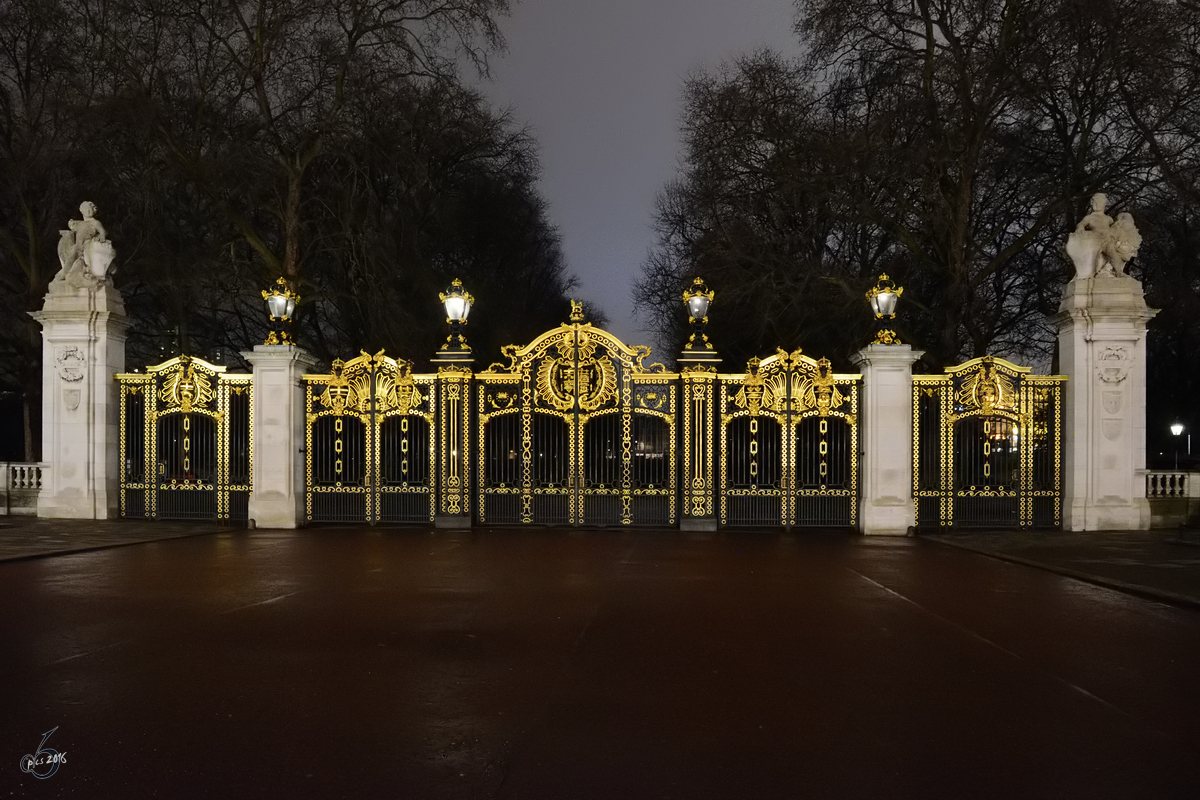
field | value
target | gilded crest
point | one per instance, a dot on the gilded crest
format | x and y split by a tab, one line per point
789	382
397	392
577	377
819	390
339	393
187	387
755	394
502	400
988	390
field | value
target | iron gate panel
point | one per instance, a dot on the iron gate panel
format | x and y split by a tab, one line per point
369	443
987	447
789	444
576	430
187	442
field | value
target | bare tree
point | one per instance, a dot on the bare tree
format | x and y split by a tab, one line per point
951	143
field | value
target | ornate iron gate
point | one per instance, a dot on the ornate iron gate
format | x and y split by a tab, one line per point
575	430
987	446
789	444
187	442
369	443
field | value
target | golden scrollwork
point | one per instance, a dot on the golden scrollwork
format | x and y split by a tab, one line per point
887	336
789	382
577	376
396	392
755	393
342	393
987	390
501	400
187	388
819	390
652	399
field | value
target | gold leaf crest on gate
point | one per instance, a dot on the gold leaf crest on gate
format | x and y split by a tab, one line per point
576	376
397	392
819	390
339	394
756	392
187	388
987	390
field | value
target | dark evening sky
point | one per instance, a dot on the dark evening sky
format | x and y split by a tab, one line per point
599	84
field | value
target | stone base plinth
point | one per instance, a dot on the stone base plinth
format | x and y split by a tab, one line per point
276	510
887	516
1133	515
698	524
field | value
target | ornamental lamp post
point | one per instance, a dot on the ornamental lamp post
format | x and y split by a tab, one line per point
697	299
883	297
281	304
1176	430
457	303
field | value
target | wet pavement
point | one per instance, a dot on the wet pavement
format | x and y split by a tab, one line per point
1158	564
33	537
363	663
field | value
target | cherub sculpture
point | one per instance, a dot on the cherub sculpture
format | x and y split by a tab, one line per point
85	254
1100	245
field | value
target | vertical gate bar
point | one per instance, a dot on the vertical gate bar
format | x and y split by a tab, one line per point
626	443
482	452
151	436
575	465
371	446
221	478
526	447
1025	453
947	466
309	422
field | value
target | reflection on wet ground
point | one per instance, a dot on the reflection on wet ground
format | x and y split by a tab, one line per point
529	664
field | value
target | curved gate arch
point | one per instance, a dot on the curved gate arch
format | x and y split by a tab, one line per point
576	430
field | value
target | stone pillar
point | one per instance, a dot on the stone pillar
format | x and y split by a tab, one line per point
699	434
83	347
454	442
277	496
886	427
1102	349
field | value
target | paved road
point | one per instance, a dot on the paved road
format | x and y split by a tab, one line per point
538	664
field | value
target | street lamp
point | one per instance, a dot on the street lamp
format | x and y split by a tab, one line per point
457	303
697	299
281	304
883	297
1176	429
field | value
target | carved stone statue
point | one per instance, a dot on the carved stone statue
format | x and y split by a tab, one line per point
84	252
1101	246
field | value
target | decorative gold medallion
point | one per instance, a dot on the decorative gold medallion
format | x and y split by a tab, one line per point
187	388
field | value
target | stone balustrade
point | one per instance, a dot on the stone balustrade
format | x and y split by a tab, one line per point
19	490
1174	497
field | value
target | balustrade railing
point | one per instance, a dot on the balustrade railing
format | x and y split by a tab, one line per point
21	483
1174	496
1172	483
